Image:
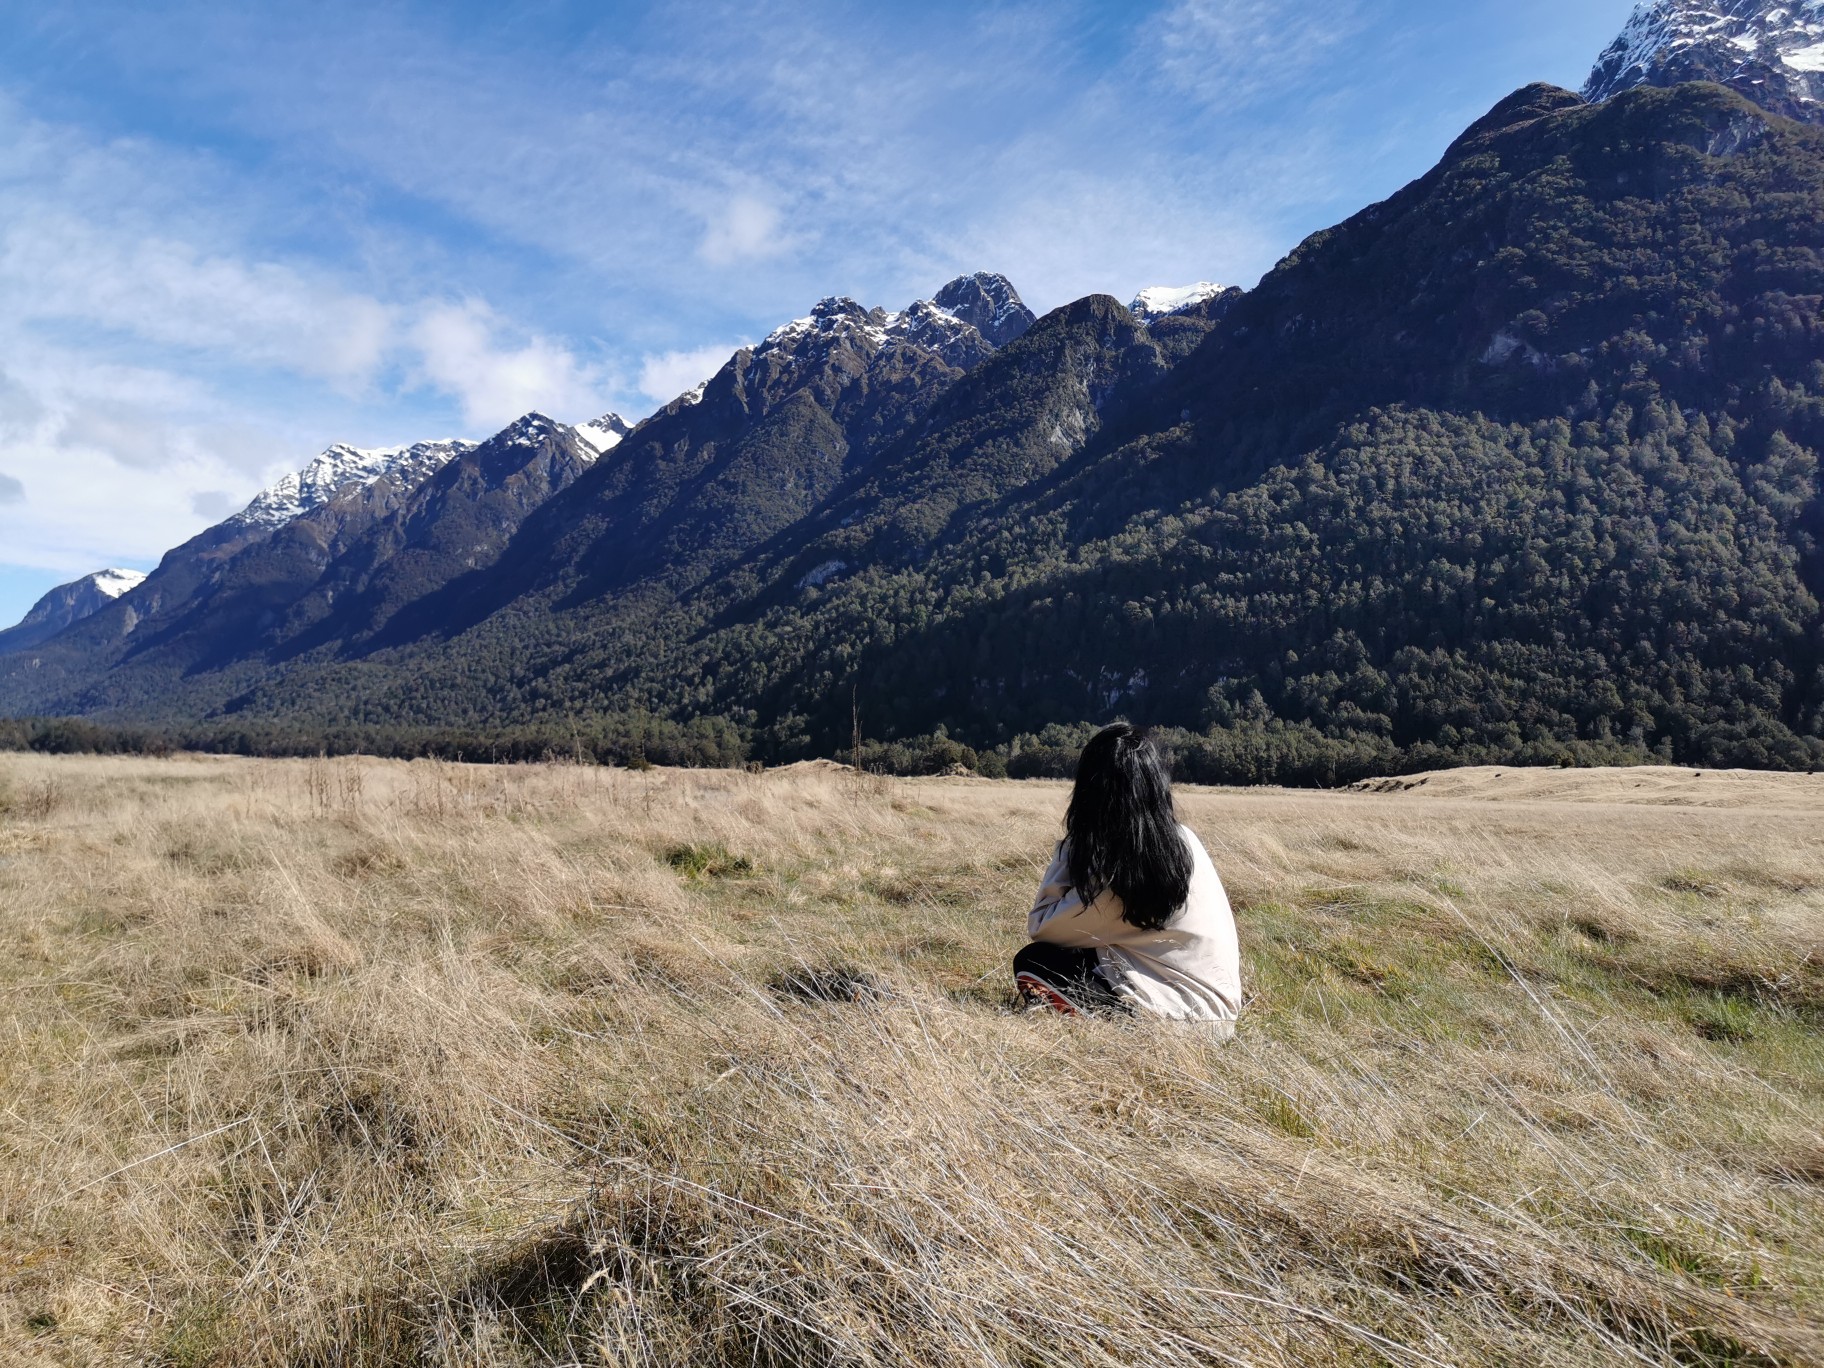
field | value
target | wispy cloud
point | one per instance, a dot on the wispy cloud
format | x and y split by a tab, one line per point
1228	53
663	377
55	266
162	364
11	490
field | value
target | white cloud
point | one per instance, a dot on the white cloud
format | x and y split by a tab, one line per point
162	365
462	352
744	229
663	377
89	508
11	490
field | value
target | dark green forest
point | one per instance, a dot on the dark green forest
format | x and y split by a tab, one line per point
1520	465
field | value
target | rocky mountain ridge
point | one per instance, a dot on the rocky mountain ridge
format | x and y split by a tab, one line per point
1771	51
755	448
366	547
603	434
338	469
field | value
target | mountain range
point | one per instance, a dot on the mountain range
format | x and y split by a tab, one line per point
1521	462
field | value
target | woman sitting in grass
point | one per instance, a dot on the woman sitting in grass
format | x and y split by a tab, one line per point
1131	917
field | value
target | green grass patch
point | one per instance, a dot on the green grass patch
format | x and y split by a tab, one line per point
711	861
1283	1113
194	1336
1675	1256
1723	1017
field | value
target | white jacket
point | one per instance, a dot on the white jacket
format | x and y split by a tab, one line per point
1188	970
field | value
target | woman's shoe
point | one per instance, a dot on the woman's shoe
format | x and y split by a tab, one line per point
1039	994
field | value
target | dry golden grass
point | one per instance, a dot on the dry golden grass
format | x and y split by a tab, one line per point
365	1063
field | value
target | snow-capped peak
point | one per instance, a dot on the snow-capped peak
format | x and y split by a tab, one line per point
339	469
835	317
602	435
1157	301
964	321
989	303
68	603
1772	51
528	430
114	583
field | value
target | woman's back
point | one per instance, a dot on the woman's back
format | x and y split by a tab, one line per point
1188	969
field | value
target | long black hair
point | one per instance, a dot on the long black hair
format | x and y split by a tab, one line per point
1123	830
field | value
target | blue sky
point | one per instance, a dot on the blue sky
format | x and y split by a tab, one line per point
231	234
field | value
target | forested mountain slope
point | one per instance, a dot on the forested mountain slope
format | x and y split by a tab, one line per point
1527	451
758	447
1012	420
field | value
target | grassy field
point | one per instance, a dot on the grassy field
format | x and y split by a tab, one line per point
360	1063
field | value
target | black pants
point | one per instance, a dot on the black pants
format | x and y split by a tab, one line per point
1073	973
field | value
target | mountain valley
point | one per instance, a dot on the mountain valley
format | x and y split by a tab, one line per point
1520	463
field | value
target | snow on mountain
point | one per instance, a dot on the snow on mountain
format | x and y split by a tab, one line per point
951	330
989	303
113	583
66	604
528	430
342	468
839	322
602	435
929	325
1157	301
1772	51
834	318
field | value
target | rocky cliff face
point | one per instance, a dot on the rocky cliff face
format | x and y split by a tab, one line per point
339	469
1771	52
989	304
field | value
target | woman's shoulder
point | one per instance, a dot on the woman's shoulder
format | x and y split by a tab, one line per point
1200	857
